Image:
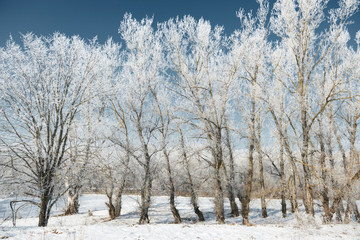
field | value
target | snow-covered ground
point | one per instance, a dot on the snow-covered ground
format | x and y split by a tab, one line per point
98	226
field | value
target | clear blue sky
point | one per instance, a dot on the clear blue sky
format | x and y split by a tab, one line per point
88	18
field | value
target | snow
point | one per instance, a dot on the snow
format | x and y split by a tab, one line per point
98	226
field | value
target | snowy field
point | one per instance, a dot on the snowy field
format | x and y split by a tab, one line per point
98	226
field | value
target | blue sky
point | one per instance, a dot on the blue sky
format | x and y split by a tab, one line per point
88	18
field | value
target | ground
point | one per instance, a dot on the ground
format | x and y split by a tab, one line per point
97	226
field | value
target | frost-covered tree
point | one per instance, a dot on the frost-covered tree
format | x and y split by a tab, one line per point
139	77
45	80
164	109
184	151
346	119
196	55
88	130
249	57
297	23
280	111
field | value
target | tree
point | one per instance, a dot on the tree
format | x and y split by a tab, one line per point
139	77
45	84
230	174
162	101
203	78
281	111
193	197
84	137
248	54
296	22
349	114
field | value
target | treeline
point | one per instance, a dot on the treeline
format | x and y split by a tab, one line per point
270	110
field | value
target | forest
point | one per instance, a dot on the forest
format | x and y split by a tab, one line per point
179	108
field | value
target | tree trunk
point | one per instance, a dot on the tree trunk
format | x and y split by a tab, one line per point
245	199
146	194
193	198
218	161
73	200
283	182
174	211
308	203
261	171
292	179
147	182
231	195
146	191
332	160
219	198
145	202
324	197
111	207
118	196
231	177
73	193
339	211
340	206
233	206
44	209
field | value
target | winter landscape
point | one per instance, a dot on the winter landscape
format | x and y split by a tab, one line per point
182	131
